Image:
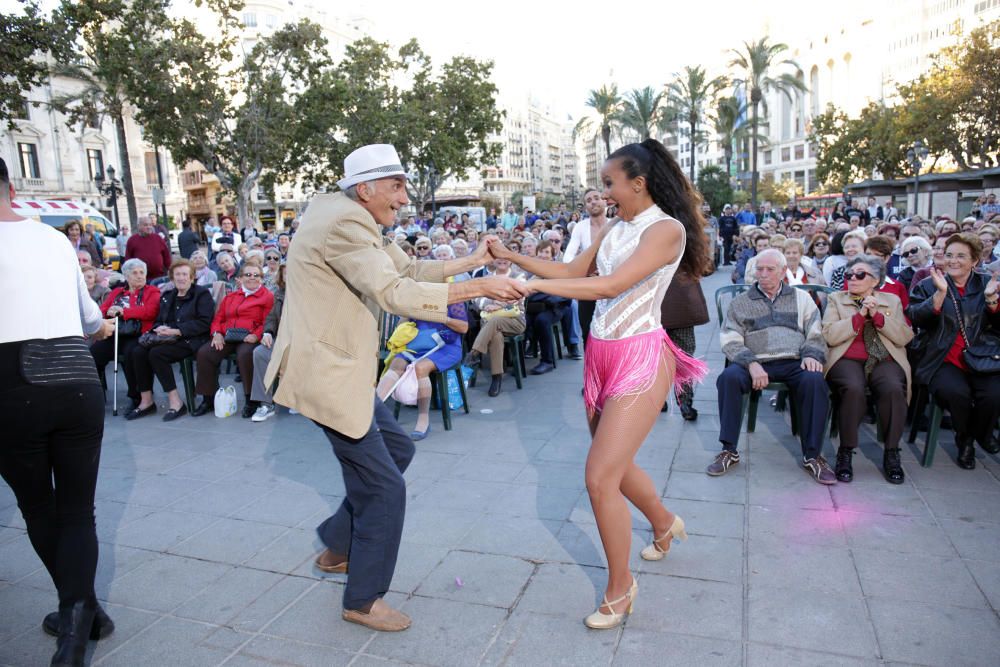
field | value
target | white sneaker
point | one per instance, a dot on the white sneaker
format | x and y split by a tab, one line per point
293	411
263	412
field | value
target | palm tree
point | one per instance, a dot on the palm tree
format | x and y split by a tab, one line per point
641	110
757	60
101	94
689	93
728	126
606	103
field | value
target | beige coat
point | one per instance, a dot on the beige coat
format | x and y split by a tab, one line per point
339	275
839	332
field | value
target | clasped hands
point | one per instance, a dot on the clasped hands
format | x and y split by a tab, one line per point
499	288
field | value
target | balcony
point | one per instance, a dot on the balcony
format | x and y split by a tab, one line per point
30	184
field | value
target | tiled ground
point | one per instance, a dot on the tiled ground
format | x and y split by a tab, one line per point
207	541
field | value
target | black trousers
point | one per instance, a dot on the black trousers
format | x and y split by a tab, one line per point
972	399
727	249
808	389
369	523
888	386
49	454
103	352
209	360
540	329
150	361
585	311
683	338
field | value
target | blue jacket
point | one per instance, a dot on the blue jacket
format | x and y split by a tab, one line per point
746	218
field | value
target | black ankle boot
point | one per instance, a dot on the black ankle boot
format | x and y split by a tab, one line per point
966	452
844	470
249	407
102	627
75	624
992	445
495	385
892	468
207	405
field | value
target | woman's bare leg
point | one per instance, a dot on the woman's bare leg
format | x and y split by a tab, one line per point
623	426
396	369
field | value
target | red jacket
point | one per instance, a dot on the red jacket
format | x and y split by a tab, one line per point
145	312
243	312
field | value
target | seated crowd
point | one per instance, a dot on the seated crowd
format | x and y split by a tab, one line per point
900	305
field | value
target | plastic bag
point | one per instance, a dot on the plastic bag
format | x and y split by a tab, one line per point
225	401
454	393
405	391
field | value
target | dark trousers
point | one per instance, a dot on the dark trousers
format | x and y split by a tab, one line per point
369	523
808	390
540	328
103	352
727	249
209	359
888	386
49	454
568	327
972	399
150	361
585	311
683	338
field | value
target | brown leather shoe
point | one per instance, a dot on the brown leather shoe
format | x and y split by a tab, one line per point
327	562
382	617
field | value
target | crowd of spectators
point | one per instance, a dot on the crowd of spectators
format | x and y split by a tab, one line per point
890	325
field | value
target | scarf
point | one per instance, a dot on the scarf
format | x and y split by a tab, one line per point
873	344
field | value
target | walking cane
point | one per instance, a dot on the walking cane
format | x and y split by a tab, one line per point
114	393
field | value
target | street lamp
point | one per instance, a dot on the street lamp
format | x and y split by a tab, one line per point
110	187
915	157
432	174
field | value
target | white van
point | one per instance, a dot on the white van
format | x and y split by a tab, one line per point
57	212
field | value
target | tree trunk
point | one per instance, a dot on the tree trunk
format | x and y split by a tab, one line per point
244	195
691	172
126	170
729	162
606	135
753	159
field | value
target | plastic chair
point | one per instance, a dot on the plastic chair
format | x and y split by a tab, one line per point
734	290
819	293
439	391
557	339
187	378
513	348
921	399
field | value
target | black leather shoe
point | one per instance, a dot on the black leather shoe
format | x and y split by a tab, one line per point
472	359
689	413
135	413
892	468
103	625
966	453
844	470
495	385
75	625
204	408
249	408
172	414
574	352
992	446
542	368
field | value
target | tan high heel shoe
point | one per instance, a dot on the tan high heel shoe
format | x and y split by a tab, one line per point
601	621
654	551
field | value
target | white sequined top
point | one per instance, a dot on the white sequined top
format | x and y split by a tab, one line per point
636	310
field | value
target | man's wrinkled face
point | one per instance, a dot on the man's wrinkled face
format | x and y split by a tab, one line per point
383	198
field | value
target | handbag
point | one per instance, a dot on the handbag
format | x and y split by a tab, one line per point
983	359
153	339
132	327
236	334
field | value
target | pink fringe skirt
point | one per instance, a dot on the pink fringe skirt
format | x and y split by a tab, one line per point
628	367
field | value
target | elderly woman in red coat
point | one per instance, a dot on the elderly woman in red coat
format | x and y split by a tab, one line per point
237	327
136	305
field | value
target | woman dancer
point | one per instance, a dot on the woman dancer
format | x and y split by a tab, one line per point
630	362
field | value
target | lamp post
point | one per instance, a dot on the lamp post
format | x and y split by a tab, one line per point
915	157
432	184
110	187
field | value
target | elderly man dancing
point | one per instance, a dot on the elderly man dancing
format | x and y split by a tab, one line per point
340	273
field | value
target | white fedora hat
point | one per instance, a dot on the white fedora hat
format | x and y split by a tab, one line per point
370	163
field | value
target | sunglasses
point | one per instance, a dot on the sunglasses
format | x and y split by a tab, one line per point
251	275
820	243
273	258
858	275
911	251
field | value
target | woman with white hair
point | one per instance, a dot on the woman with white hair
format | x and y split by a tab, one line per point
205	276
136	305
916	252
853	245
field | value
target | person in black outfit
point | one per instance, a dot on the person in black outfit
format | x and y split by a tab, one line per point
729	229
185	313
542	312
187	240
972	398
53	410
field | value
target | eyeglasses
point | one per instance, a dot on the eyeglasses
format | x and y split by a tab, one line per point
423	247
251	275
911	251
858	275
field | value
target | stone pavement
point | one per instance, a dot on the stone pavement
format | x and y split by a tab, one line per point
207	539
